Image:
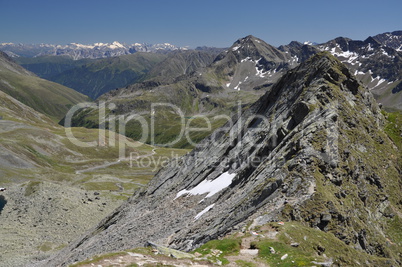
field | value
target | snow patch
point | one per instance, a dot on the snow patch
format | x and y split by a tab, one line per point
204	211
235	48
259	72
84	46
246	59
115	45
210	186
379	81
351	56
237	86
357	72
386	54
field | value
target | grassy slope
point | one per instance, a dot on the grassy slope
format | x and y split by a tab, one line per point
49	66
51	161
39	141
46	97
311	247
103	75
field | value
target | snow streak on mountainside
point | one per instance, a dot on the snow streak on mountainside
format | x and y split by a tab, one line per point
390	39
376	61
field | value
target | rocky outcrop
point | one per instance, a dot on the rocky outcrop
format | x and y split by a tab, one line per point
311	149
376	62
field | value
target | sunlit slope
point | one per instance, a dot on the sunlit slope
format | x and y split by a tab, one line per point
44	96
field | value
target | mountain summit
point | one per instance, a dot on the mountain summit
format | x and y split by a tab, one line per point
251	62
310	150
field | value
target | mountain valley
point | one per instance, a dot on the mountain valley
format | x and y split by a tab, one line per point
155	155
307	166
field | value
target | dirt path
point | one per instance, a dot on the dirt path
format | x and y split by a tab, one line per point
103	166
142	260
106	165
247	253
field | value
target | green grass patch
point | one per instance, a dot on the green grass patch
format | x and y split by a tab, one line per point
243	263
47	246
97	259
216	250
296	257
393	230
31	188
101	186
394	130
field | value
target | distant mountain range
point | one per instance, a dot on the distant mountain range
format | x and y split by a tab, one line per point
250	63
80	51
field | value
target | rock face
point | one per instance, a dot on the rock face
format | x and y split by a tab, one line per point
311	149
376	62
390	39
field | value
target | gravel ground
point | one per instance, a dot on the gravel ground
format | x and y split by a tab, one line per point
39	218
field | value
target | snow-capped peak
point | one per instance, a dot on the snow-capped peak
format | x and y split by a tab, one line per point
116	45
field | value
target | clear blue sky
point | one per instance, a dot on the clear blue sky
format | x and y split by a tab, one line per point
194	23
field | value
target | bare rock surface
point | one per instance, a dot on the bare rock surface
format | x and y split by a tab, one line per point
285	158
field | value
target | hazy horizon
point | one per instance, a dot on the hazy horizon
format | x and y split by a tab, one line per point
199	23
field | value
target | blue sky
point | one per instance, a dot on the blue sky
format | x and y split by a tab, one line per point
193	23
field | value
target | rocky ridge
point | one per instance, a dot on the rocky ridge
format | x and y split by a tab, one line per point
312	149
390	39
376	62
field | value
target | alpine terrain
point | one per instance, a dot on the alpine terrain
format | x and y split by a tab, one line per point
198	85
311	154
295	160
376	61
55	182
42	95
